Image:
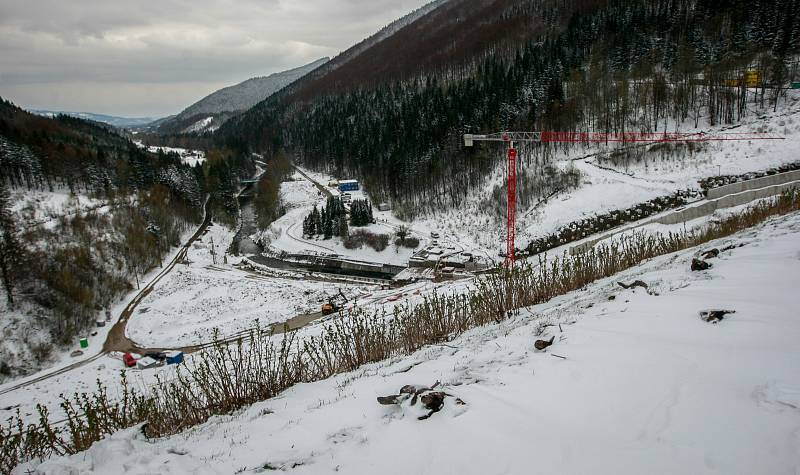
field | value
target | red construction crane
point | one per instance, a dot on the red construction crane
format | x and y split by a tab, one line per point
584	137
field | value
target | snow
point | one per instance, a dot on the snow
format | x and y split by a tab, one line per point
23	327
299	196
19	324
42	207
199	298
199	126
645	386
605	188
189	157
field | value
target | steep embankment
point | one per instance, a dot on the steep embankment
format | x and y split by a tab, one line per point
635	382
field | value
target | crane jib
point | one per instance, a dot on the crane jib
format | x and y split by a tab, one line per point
509	138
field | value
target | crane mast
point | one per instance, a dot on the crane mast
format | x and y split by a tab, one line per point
509	138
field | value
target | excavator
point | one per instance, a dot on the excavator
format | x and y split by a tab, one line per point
335	303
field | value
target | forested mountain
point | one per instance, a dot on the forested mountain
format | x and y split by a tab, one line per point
40	153
213	110
84	213
394	114
366	45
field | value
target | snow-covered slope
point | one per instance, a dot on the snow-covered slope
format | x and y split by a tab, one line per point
204	114
605	186
634	384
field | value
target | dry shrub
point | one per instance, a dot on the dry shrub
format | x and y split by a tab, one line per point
409	242
229	376
362	237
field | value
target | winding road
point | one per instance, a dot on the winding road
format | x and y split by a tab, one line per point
118	342
116	339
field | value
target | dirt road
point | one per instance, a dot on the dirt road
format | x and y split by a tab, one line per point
116	340
325	191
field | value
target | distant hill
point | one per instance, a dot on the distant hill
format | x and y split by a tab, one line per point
120	122
44	153
213	110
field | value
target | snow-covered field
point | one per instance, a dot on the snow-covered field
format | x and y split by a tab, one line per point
640	385
196	299
300	196
189	157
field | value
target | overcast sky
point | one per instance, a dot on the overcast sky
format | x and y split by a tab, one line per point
148	58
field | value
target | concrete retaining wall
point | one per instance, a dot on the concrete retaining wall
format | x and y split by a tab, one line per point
729	201
706	208
754	184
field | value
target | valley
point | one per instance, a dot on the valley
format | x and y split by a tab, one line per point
205	292
563	233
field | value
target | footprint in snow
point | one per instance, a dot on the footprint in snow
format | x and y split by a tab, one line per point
778	396
346	434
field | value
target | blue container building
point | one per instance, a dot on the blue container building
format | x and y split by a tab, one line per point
348	185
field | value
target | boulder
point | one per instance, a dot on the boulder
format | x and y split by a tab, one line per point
632	285
542	345
430	400
699	265
715	316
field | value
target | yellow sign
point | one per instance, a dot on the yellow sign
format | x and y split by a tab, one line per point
751	78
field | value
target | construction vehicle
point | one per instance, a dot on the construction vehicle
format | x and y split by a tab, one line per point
335	303
129	360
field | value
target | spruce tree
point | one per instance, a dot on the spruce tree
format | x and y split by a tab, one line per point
316	222
328	227
10	248
343	228
360	213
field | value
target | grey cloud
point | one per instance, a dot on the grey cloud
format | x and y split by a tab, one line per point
156	52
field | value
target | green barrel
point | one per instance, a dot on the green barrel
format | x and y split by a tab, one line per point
84	343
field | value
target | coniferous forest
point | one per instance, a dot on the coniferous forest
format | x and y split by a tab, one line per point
606	66
332	220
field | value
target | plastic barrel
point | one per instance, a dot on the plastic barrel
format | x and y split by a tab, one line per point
84	343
